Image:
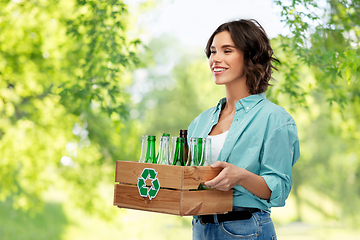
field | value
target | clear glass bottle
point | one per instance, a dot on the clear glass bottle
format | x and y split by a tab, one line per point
163	153
143	148
207	158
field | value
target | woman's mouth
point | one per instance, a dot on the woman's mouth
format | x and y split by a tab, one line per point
218	71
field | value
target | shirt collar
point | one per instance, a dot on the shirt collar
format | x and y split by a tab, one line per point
250	101
247	103
220	104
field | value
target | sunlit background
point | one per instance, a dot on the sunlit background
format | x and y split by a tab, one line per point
82	81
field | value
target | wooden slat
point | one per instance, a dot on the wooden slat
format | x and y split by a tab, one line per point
183	203
129	172
205	202
166	201
193	176
169	176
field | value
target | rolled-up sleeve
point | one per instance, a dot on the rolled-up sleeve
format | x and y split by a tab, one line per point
280	152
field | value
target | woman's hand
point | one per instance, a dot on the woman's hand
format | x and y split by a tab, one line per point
228	178
232	175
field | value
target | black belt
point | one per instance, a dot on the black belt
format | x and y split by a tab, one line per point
237	214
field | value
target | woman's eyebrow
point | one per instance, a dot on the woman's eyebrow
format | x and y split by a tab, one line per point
225	46
228	45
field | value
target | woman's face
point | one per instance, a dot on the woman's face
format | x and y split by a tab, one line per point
226	61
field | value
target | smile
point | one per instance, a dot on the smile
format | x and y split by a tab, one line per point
218	70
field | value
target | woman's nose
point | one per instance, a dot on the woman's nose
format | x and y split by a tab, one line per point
215	59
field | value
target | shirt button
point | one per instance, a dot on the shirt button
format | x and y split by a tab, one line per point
247	108
212	120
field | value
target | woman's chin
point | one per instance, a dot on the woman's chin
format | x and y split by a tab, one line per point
217	82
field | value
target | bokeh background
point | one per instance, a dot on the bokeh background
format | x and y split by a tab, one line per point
82	80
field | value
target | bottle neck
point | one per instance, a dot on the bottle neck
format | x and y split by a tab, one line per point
150	153
183	133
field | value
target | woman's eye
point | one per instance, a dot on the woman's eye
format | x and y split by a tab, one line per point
212	52
227	51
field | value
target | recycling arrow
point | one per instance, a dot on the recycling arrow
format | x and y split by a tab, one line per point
145	191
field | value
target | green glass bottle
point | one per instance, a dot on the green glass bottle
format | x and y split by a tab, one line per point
200	152
179	155
195	157
150	153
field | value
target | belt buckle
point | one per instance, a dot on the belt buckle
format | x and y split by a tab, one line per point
201	222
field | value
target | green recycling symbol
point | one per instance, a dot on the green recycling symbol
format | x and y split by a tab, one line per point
145	191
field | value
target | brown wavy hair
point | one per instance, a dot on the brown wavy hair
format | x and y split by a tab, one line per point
250	37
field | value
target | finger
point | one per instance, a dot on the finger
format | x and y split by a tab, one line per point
214	182
218	164
210	183
222	185
217	180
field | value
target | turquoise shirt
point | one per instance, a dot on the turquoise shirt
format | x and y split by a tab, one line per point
262	139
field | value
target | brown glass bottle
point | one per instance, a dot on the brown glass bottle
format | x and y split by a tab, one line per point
183	134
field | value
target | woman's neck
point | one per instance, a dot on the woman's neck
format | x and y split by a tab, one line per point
234	92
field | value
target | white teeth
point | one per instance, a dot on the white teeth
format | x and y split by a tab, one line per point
219	69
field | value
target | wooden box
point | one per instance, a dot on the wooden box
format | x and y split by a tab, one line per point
175	193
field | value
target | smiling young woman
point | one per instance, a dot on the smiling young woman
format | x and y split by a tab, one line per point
256	141
226	61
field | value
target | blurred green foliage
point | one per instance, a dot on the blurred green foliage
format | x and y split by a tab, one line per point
75	97
320	70
64	67
17	225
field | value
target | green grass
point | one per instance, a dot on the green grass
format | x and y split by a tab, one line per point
60	221
16	224
306	231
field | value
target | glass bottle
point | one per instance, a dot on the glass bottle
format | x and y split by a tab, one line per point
195	152
179	155
172	149
144	143
183	134
207	158
150	153
163	153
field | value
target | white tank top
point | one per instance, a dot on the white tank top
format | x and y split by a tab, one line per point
217	142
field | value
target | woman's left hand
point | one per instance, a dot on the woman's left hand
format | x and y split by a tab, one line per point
228	178
232	175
